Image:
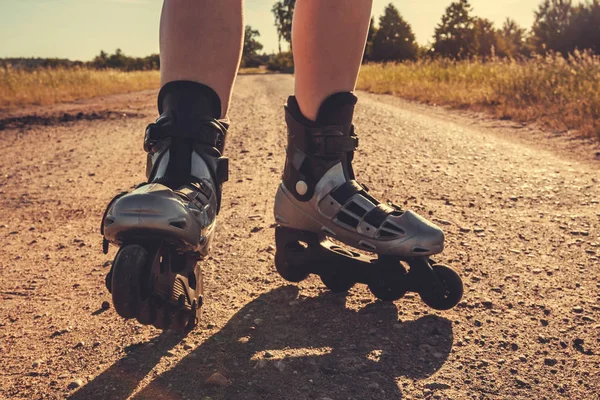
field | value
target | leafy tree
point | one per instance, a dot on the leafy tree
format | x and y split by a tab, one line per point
515	38
117	60
370	37
394	39
489	40
125	63
455	35
283	10
282	62
586	23
553	29
251	47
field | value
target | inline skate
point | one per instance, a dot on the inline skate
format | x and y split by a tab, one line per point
165	226
319	200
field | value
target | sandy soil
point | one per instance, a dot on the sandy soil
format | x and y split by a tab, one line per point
521	215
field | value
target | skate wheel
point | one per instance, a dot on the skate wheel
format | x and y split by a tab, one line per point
108	281
337	281
147	312
450	292
163	318
289	270
126	278
179	321
388	284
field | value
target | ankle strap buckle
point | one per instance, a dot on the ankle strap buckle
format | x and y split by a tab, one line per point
210	132
328	145
327	142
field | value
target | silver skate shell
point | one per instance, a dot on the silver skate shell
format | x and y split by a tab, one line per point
155	211
413	236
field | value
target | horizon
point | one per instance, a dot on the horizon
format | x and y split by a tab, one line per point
62	29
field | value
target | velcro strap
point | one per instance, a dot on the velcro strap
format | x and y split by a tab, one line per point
377	216
345	191
323	141
330	145
209	132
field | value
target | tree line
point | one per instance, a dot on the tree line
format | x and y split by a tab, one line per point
560	26
118	60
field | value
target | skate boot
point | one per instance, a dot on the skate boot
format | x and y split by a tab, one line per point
319	199
165	226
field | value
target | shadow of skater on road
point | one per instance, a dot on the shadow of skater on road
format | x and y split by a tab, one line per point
123	377
280	346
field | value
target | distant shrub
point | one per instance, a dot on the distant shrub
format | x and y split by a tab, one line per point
282	62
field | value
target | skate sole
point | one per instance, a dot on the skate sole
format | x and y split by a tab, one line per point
138	216
157	285
304	220
300	253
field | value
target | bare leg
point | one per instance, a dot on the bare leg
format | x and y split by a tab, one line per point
328	42
201	41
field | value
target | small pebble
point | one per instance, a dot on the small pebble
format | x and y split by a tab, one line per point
521	382
77	383
36	363
487	303
217	379
280	365
105	305
550	361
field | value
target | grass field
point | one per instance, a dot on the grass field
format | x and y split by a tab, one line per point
560	94
50	86
563	95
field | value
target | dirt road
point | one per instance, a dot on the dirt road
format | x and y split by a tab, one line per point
521	217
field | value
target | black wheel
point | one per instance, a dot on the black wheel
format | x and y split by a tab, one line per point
126	279
163	317
450	292
193	316
108	281
337	281
389	283
147	312
180	321
288	262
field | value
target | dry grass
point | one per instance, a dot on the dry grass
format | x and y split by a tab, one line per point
560	94
50	86
253	71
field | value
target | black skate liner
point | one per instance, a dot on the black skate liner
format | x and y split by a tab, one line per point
300	253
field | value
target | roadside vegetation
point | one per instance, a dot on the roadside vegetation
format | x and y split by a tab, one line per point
561	94
548	73
44	86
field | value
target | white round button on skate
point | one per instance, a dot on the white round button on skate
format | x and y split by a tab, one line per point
301	188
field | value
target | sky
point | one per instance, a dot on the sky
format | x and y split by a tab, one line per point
79	29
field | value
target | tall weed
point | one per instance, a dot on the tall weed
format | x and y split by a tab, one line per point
562	94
